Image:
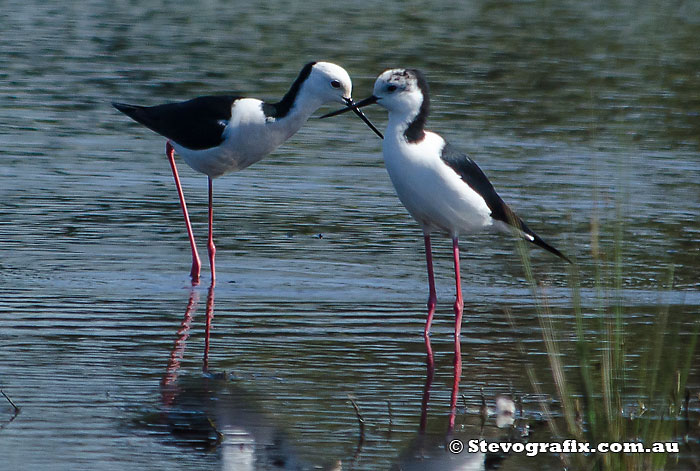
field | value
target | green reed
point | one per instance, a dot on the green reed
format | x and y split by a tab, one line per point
606	393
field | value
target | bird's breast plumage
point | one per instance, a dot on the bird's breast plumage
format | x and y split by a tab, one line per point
433	193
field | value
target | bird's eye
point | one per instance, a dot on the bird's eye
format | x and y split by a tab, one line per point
391	88
335	84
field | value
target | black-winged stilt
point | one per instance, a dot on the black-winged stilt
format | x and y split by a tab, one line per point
443	189
221	134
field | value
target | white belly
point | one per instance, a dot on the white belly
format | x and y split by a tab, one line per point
433	193
236	153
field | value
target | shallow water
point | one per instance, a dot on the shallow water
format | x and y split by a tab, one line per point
321	286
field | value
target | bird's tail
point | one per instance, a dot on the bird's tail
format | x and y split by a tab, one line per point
529	235
537	240
134	112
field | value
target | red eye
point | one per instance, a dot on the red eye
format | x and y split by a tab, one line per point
391	88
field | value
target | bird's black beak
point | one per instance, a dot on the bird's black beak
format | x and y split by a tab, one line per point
355	107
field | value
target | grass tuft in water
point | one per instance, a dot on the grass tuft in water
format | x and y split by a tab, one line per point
619	386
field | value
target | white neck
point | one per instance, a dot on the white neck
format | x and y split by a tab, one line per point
398	122
403	110
304	106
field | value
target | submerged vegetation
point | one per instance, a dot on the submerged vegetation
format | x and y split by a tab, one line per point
615	385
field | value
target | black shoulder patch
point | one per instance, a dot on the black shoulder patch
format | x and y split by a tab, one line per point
270	111
415	132
196	124
282	107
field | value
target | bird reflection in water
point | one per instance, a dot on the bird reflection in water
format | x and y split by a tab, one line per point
431	450
210	411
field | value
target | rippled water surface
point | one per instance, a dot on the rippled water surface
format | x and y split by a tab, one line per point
578	112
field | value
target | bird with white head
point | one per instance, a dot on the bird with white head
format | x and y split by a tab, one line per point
443	189
219	134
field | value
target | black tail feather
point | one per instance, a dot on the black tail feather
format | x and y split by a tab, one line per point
530	235
541	243
136	113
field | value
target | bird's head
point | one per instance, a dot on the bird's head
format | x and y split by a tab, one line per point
330	82
401	90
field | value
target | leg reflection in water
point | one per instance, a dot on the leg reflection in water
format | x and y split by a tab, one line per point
212	411
207	330
178	351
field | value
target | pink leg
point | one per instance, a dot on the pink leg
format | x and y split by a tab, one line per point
429	361
196	264
459	308
432	298
459	303
210	244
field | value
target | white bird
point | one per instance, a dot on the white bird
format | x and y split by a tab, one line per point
443	189
221	134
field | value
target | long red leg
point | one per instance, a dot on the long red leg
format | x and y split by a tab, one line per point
210	243
459	308
196	263
459	302
432	298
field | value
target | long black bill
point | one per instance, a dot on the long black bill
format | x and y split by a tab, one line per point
355	107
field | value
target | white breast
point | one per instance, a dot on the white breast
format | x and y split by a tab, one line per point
433	193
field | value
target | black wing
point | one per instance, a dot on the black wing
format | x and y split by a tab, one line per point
473	176
196	124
